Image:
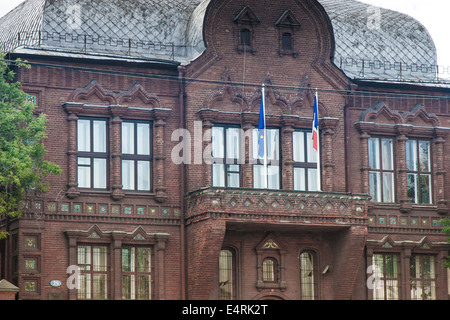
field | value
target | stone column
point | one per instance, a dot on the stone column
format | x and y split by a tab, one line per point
116	151
158	179
160	248
287	168
364	138
402	184
206	149
440	172
247	165
72	109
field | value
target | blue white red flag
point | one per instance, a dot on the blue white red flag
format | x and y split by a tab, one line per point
315	125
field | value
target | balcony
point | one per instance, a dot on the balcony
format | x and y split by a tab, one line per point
277	207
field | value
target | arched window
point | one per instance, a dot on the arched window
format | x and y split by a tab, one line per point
307	276
226	275
245	37
269	269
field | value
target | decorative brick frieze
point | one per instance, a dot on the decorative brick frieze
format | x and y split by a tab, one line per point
295	207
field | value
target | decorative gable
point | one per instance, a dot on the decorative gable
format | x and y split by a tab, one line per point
287	19
246	16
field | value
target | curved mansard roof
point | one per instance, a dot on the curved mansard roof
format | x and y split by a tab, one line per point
171	30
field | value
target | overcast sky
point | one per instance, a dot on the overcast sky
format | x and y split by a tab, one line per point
433	14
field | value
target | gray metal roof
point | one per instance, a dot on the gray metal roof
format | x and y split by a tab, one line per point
172	30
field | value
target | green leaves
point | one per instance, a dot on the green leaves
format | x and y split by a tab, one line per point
22	164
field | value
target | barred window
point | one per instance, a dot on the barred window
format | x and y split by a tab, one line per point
308	276
386	273
423	277
92	261
226	275
269	269
136	273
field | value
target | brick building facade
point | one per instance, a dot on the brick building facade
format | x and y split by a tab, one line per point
153	120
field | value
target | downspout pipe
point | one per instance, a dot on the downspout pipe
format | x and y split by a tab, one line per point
182	125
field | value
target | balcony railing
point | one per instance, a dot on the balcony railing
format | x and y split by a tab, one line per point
278	206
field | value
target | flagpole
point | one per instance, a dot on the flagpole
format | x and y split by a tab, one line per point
265	137
319	184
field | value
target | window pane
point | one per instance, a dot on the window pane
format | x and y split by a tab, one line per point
272	144
144	259
299	179
375	186
424	156
307	276
143	138
84	256
286	41
374	153
245	37
273	177
217	142
100	173
143	175
84	282
391	266
388	159
425	188
268	270
429	290
392	290
83	135
99	258
99	136
411	155
99	286
388	187
411	180
258	176
128	137
298	141
225	275
233	145
144	287
218	173
428	267
312	180
128	259
312	153
84	174
128	174
233	180
128	289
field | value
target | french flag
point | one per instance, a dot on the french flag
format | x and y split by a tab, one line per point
315	125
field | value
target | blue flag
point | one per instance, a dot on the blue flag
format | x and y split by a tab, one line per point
261	127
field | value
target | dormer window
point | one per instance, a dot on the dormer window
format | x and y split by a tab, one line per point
287	24
245	37
286	41
246	21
